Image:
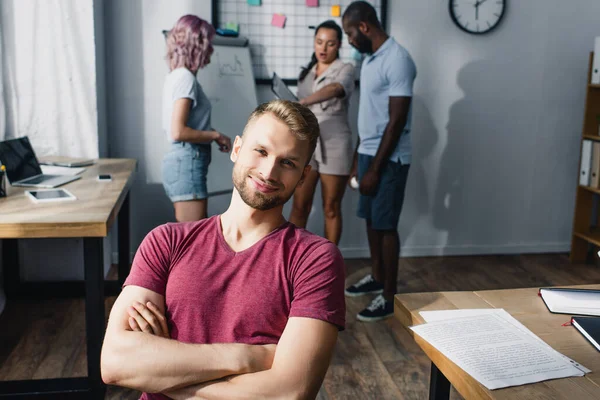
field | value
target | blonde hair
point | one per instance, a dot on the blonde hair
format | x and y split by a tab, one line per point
298	118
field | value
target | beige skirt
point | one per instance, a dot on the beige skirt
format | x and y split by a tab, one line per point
333	155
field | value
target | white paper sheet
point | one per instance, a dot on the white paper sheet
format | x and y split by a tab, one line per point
440	315
495	353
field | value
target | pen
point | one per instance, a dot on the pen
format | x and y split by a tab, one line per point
311	27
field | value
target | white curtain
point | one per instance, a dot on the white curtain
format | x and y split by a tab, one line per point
50	75
48	84
2	133
2	110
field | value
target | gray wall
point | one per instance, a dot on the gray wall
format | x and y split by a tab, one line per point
496	127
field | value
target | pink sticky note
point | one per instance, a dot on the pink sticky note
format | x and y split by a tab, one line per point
312	3
278	20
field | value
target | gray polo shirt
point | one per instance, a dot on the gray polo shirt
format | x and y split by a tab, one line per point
180	84
389	72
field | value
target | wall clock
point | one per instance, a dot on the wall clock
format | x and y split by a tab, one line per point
477	16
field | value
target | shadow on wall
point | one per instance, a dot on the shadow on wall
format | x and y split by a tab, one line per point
417	203
478	164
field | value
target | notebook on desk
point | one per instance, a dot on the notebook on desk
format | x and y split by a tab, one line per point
61	161
23	167
571	301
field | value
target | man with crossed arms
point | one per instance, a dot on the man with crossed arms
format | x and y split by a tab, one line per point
206	302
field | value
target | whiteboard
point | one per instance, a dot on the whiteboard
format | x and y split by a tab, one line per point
228	82
284	50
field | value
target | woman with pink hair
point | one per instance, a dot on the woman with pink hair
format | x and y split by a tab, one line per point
186	119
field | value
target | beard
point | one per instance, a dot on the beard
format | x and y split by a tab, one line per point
254	198
363	44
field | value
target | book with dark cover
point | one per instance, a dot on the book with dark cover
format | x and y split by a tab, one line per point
572	301
589	327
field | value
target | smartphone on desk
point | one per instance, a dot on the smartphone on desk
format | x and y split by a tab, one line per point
104	178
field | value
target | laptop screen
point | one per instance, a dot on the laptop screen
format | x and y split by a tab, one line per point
20	161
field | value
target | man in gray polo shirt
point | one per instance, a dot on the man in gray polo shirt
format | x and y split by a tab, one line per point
383	155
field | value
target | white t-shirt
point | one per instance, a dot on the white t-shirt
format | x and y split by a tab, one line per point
180	84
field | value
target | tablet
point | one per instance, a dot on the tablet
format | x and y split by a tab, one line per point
46	195
281	90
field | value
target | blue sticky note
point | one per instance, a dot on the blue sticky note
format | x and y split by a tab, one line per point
254	2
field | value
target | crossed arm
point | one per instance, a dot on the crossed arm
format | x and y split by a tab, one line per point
197	371
152	363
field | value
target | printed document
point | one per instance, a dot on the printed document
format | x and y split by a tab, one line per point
495	353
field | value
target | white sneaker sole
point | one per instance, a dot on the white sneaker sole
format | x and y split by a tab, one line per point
354	294
372	319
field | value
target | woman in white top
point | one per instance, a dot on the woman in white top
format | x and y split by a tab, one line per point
186	119
325	86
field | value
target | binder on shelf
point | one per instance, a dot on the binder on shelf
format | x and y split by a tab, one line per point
586	159
595	169
589	327
596	63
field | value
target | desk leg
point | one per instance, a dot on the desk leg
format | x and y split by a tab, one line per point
123	241
10	265
439	385
94	311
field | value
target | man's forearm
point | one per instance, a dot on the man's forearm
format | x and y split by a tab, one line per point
260	385
154	364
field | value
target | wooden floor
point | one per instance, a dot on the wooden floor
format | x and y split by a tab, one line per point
45	339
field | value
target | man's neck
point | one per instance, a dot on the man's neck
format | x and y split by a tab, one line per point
242	225
378	40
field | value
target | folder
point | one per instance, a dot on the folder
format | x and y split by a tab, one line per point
596	63
589	327
595	168
571	301
586	160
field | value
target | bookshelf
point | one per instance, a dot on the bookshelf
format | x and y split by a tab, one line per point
586	222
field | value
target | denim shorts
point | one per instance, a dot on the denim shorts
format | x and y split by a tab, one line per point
383	209
184	171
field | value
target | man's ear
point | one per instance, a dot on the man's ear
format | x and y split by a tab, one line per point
305	172
363	27
235	151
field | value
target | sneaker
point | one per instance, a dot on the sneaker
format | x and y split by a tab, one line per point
366	285
378	309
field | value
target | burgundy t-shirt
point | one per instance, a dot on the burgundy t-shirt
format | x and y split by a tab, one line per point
215	295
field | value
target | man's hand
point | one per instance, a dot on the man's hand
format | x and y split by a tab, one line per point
147	318
224	143
369	183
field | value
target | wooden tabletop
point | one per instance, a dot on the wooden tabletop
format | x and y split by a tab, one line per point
91	215
528	308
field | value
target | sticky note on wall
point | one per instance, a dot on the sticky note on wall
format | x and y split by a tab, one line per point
278	20
234	26
254	2
336	11
312	3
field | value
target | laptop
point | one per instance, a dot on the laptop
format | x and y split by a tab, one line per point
281	90
23	168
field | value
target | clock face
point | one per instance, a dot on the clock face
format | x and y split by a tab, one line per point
477	16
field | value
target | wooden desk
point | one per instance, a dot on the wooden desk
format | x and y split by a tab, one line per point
525	306
89	217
